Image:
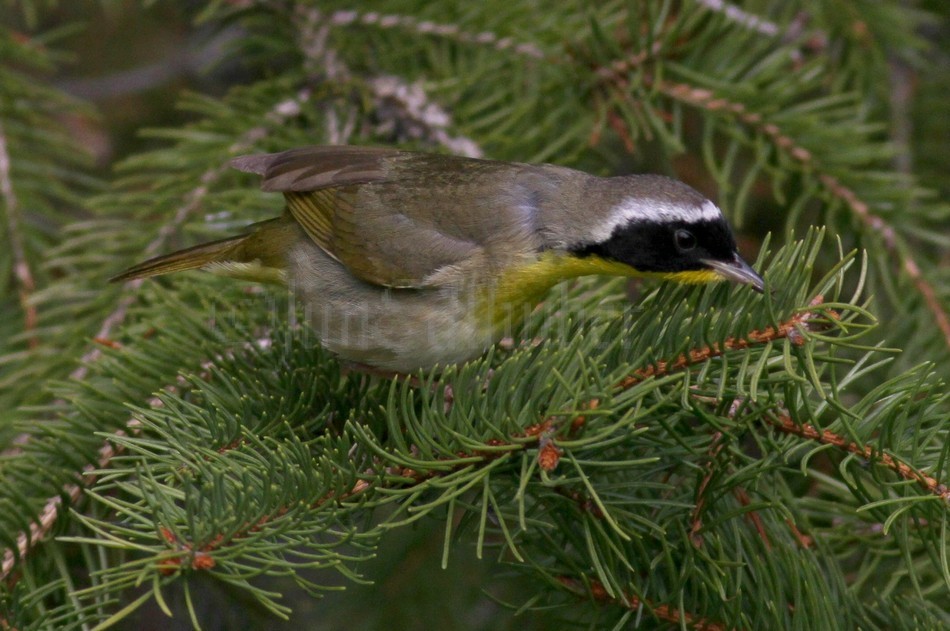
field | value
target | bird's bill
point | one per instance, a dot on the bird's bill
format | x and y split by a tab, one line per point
737	271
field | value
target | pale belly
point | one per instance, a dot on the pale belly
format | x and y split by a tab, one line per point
399	330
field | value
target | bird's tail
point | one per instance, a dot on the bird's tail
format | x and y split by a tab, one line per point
256	255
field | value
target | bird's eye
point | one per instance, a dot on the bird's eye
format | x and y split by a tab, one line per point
685	240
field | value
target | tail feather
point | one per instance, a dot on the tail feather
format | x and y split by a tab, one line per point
203	255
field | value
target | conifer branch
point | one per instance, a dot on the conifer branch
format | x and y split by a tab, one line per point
742	17
399	105
315	51
397	477
706	99
411	24
421	118
795	29
542	435
191	204
424	27
662	612
193	199
792	329
783	422
52	510
615	74
21	263
201	557
743	496
582	501
696	518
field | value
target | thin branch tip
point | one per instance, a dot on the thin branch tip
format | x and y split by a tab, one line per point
784	422
630	601
22	271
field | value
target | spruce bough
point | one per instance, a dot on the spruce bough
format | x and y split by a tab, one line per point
741	461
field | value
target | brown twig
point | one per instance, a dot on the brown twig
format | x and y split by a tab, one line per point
615	75
191	203
742	17
662	612
401	477
791	329
583	501
202	557
21	263
425	27
784	422
696	518
52	510
743	496
803	540
616	123
706	99
406	107
454	32
313	45
617	69
542	434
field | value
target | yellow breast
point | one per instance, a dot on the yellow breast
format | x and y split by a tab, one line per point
515	293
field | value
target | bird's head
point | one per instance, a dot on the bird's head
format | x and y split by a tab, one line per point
663	227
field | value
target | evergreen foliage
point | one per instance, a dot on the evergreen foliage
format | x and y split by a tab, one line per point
701	457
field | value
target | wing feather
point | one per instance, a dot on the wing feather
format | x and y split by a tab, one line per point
315	168
396	218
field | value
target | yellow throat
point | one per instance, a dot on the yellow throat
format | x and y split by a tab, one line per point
519	288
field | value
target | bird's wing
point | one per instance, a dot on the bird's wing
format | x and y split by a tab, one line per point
399	219
316	168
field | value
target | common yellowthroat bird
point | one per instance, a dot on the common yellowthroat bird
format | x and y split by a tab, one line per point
408	260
